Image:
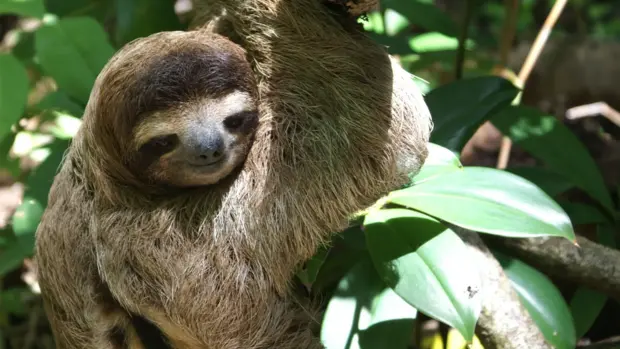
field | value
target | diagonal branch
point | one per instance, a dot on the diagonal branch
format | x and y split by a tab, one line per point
592	265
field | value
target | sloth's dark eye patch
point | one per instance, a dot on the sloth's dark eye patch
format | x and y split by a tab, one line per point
241	121
160	145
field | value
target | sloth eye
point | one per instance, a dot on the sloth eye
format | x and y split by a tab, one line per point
160	145
237	121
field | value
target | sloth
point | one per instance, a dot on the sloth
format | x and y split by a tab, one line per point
206	172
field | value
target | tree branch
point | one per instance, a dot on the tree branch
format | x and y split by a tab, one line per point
504	323
592	265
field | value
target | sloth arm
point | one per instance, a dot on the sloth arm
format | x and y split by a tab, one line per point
342	124
68	272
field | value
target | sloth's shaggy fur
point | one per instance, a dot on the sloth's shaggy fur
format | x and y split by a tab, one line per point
341	125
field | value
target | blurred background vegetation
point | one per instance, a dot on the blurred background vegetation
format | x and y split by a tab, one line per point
52	51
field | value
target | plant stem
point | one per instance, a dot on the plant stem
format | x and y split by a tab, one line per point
526	69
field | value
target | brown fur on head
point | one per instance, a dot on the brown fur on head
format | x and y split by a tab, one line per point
174	109
341	124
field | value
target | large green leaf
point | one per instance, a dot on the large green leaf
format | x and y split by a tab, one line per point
585	307
549	140
542	300
13	92
73	51
28	8
364	313
427	16
140	18
347	249
548	180
439	160
427	265
489	201
458	108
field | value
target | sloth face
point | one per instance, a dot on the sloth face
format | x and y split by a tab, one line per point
197	143
173	109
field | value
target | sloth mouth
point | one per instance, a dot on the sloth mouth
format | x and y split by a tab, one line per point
208	167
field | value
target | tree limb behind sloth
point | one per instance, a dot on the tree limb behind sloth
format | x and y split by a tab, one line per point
126	246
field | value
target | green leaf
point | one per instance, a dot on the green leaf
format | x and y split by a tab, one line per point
488	201
98	9
427	16
73	51
458	108
140	18
548	180
426	264
12	302
9	163
313	266
27	217
585	306
439	160
13	255
434	41
347	249
25	221
24	46
27	8
60	101
14	85
394	22
364	307
40	180
547	139
542	300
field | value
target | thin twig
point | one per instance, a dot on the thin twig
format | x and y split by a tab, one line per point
610	343
593	109
526	69
460	52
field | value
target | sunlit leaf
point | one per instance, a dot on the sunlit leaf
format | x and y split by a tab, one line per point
434	41
28	8
73	51
548	180
542	300
547	139
359	307
394	22
426	264
439	160
458	108
13	92
489	201
427	16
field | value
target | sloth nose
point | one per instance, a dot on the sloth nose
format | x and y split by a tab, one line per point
206	150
